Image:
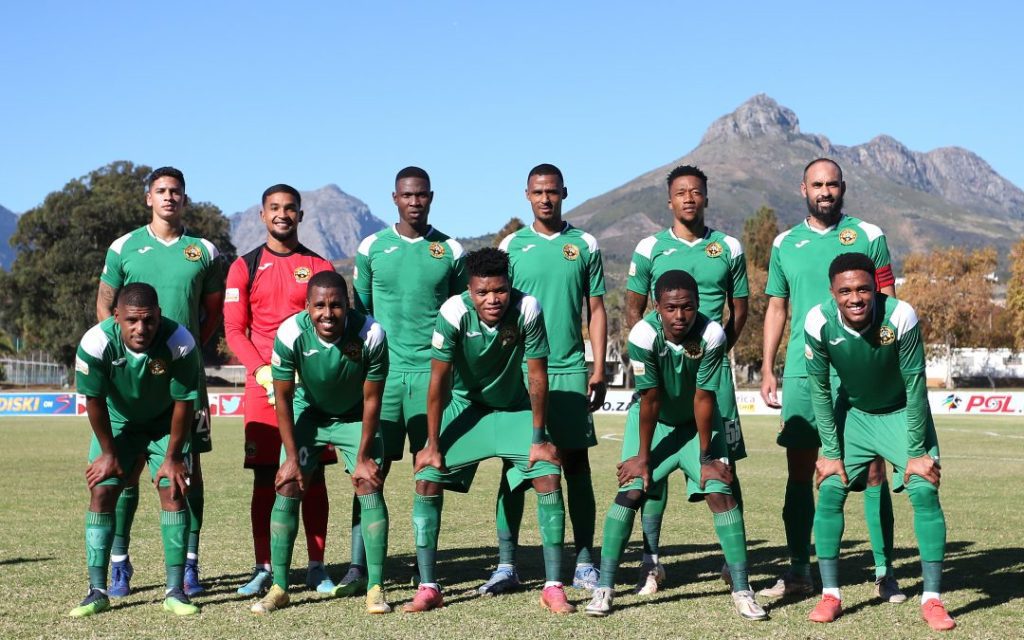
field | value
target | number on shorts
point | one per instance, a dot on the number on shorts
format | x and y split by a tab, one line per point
732	432
303	456
202	421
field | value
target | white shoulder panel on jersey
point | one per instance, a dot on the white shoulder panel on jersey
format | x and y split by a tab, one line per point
735	248
591	242
181	343
714	335
814	321
95	342
372	334
364	246
507	240
456	247
453	309
779	238
530	308
643	335
289	331
118	244
874	231
904	318
210	247
646	246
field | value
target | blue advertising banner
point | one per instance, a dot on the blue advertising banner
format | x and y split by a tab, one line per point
37	404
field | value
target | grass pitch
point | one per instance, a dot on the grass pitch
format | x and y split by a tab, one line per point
43	567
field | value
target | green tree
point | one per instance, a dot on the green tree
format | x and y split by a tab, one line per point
759	231
1015	294
513	225
49	296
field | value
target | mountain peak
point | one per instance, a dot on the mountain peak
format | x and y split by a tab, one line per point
758	116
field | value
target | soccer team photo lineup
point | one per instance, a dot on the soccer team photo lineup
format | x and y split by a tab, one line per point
435	358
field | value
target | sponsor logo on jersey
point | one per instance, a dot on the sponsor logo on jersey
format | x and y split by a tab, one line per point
638	368
81	366
120	362
275	360
231	294
801	243
570	251
391	249
353	350
250	449
714	249
693	349
157	367
528	247
302	274
310	352
264	266
193	253
472	334
145	249
886	335
847	237
835	341
808	353
437	250
668	252
632	268
508	335
437	340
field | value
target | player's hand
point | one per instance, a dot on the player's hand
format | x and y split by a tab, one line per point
103	468
367	471
825	467
176	472
770	390
429	456
543	452
715	470
289	471
598	391
635	467
266	380
924	466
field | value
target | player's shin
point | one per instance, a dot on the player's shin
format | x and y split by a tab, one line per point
798	517
930	530
375	533
828	530
582	514
99	534
124	516
508	516
284	526
426	525
195	499
733	538
315	513
879	518
618	526
174	527
551	519
652	512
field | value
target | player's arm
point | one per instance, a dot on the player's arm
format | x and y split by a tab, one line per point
437	396
774	326
739	292
238	319
711	468
598	330
638	283
367	469
737	320
213	310
105	466
912	367
638	466
537	377
636	304
106	297
830	462
290	470
362	283
173	467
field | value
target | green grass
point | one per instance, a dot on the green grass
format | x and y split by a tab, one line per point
43	572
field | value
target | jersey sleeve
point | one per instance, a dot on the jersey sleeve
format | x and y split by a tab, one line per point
912	366
642	357
458	279
709	371
238	317
447	330
282	360
535	337
185	366
362	282
640	268
112	273
213	277
738	270
595	270
777	286
376	353
819	383
878	249
92	373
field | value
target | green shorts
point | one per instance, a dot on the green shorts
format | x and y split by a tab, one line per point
673	448
132	441
570	423
797	429
867	435
202	440
725	395
403	412
471	433
314	431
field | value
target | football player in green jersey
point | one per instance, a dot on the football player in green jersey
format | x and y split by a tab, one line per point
139	375
873	342
341	358
403	274
674	423
186	274
797	278
482	337
561	266
716	262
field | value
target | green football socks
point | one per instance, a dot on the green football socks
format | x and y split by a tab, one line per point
358	544
729	527
551	520
798	518
582	515
99	535
174	532
618	526
426	526
124	516
930	529
508	514
375	531
879	518
196	504
828	530
284	526
652	512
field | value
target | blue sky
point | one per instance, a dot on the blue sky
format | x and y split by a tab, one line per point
244	95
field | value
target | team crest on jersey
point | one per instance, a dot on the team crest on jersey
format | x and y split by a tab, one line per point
302	274
250	448
437	250
508	335
713	250
157	367
353	350
193	253
886	335
847	237
570	251
693	349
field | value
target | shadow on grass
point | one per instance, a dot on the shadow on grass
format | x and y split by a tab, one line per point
12	561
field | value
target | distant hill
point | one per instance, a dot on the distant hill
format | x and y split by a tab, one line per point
754	156
8	223
333	224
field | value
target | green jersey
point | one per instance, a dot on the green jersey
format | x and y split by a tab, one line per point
140	388
562	271
403	282
798	270
182	271
488	360
330	374
715	261
676	370
881	367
